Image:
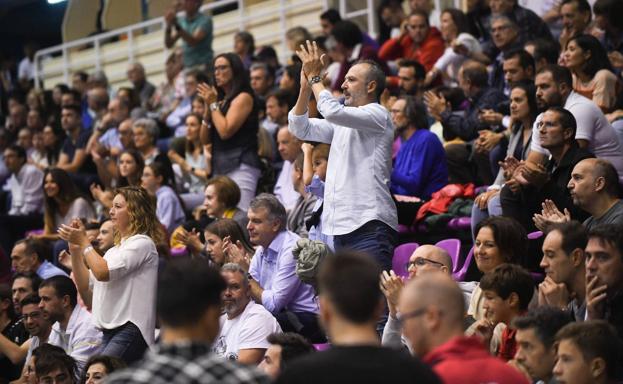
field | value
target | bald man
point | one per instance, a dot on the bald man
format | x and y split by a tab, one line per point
431	312
594	187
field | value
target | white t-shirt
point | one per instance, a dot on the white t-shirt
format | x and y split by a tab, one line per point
249	330
130	292
593	127
284	189
450	62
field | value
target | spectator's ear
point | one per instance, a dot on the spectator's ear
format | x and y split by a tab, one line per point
598	367
600	183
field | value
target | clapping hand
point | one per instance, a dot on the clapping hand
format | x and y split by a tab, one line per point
436	104
74	234
550	214
234	253
391	286
313	62
208	93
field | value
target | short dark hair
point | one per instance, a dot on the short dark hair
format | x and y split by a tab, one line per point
545	49
331	15
476	73
283	97
64	286
509	236
292	346
33	298
73	107
595	339
415	111
186	289
418	68
545	321
609	233
506	279
50	357
82	75
559	74
604	168
419	12
347	32
525	60
583	5
19	151
111	364
611	9
573	234
38	247
35	280
350	281
566	119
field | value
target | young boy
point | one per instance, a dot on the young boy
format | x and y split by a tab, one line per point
315	162
507	292
303	208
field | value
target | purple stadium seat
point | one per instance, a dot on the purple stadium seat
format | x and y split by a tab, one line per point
453	247
322	347
534	235
460	223
178	252
401	258
460	275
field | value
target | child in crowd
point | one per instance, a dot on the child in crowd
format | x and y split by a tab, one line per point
316	158
507	291
303	209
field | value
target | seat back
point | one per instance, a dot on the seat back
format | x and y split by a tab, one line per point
535	235
453	247
460	275
402	253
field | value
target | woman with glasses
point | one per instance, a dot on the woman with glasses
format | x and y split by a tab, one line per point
230	124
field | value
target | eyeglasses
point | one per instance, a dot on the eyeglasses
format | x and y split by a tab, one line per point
401	317
32	315
421	261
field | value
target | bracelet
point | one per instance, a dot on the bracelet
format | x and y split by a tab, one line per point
192	170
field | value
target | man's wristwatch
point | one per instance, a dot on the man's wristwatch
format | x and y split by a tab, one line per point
214	106
314	80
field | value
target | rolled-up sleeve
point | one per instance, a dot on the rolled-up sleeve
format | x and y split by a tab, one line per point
284	286
370	117
130	258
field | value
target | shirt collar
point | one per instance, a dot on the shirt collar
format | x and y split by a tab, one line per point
275	245
356	51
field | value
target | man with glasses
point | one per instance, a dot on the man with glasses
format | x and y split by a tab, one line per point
432	313
506	38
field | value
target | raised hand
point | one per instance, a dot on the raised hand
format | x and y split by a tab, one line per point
313	62
553	294
391	286
208	93
596	294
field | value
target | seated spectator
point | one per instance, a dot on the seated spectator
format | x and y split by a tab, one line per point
244	46
283	349
274	283
587	352
221	198
531	25
24	284
73	328
100	366
535	333
543	51
391	15
301	212
13	332
506	38
194	164
175	120
54	365
245	325
196	31
24	140
128	171
563	262
144	89
97	106
604	275
26	197
348	43
507	292
316	160
460	46
189	308
420	42
232	125
27	256
518	67
549	181
130	95
498	240
169	209
606	19
554	88
593	78
595	189
52	143
225	240
63	202
262	78
106	137
145	133
277	107
73	158
171	91
420	165
432	310
289	148
411	75
523	112
351	303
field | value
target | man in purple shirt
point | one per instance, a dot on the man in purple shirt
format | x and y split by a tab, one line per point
273	279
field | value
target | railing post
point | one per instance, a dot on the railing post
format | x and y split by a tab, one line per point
65	66
241	15
98	56
343	8
130	46
371	20
282	21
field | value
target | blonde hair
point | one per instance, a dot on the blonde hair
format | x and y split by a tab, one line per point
142	212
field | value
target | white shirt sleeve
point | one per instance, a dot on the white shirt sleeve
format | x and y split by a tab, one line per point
130	256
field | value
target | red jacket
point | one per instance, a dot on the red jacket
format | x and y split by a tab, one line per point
402	47
465	360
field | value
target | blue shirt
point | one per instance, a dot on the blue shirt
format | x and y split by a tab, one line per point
169	209
47	270
274	269
420	167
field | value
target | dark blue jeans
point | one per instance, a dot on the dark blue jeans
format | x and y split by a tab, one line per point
375	238
124	342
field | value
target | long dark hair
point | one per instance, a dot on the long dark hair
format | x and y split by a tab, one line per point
67	193
510	237
231	228
459	19
530	92
240	77
140	164
599	57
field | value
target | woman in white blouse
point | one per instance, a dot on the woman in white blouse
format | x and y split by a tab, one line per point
120	287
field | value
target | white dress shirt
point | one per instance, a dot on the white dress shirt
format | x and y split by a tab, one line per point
284	189
360	162
26	191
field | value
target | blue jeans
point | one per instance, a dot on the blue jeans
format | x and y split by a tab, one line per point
124	342
494	208
375	238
